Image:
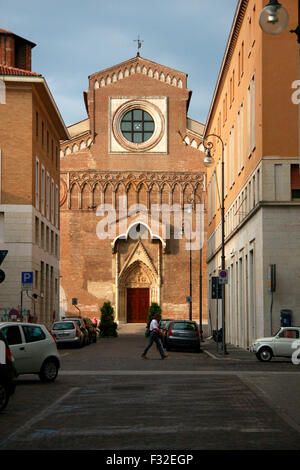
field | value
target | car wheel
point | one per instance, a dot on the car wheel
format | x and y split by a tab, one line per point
4	396
49	371
264	354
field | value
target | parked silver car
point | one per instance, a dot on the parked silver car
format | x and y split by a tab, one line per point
281	345
68	331
33	348
182	334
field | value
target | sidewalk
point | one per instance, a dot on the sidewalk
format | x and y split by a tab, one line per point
209	347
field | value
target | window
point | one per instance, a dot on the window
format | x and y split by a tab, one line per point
12	334
52	150
56	205
251	116
43	190
37	183
33	334
48	195
56	158
36	124
43	131
137	126
295	181
225	170
42	235
231	156
240	124
37	231
47	142
52	201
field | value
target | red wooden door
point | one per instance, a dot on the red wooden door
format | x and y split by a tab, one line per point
137	305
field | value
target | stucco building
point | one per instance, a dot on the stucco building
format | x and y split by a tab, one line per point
30	132
253	112
137	146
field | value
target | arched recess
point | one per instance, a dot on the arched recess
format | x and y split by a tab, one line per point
136	277
86	200
74	197
138	267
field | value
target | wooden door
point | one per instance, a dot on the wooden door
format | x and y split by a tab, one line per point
137	305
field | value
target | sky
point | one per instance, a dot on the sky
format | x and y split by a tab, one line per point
75	38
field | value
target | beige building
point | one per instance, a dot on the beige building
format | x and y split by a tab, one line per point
253	112
30	131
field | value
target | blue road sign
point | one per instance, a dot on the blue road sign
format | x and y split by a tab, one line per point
27	278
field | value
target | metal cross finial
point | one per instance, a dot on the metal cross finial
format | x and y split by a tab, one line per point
139	41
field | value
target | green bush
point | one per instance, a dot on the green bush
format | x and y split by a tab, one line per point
153	310
107	325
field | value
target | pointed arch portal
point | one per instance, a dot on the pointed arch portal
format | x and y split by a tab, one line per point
138	281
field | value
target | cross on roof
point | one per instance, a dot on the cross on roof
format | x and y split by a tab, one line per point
139	41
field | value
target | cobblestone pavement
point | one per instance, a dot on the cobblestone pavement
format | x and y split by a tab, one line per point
107	397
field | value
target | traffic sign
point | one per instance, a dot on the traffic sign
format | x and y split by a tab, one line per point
13	314
2	276
3	253
223	276
74	301
27	280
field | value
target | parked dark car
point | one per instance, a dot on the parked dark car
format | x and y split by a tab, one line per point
163	328
8	374
92	330
182	334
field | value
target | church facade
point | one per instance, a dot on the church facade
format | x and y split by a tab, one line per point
133	198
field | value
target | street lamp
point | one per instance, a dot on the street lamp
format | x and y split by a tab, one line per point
190	295
192	200
274	19
208	162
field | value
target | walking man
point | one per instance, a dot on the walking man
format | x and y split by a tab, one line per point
155	338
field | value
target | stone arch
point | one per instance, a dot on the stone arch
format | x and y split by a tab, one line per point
96	85
97	194
74	196
102	82
75	148
86	194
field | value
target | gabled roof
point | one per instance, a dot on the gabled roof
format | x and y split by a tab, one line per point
7	70
136	59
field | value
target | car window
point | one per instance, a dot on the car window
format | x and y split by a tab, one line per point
67	325
33	333
293	334
184	326
12	334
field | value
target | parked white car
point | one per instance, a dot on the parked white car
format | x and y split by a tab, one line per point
34	349
280	345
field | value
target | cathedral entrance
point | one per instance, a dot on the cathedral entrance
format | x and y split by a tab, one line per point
137	305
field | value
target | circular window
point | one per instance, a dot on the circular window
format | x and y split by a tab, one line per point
137	126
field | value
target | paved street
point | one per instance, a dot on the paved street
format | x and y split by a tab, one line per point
107	397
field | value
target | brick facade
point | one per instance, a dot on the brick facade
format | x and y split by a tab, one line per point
97	167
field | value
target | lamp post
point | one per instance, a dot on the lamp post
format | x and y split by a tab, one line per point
192	200
274	19
208	162
190	286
